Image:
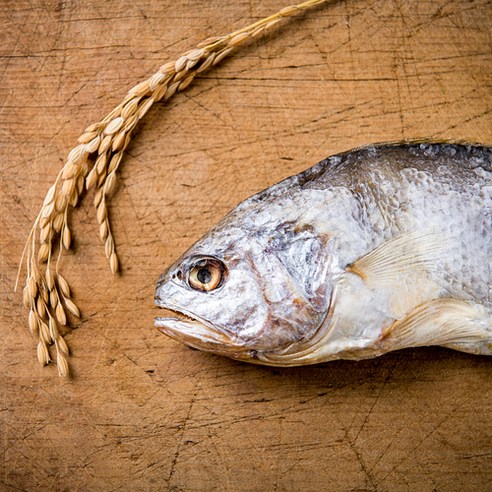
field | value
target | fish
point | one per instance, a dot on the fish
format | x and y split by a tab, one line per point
377	249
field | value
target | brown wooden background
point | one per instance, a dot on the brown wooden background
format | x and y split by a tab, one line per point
143	412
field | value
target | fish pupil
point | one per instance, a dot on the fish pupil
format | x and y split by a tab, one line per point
204	276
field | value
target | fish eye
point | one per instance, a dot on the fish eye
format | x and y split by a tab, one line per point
206	274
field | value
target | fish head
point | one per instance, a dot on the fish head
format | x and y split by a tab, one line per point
245	292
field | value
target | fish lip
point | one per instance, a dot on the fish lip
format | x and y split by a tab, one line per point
194	331
180	311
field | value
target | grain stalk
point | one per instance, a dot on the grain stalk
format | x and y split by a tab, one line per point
93	165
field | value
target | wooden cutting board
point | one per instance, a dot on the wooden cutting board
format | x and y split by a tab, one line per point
143	412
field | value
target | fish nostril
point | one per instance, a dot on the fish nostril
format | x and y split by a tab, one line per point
177	274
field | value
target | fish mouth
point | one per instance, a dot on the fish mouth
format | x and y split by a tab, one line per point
196	332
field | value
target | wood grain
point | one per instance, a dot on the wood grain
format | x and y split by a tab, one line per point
143	412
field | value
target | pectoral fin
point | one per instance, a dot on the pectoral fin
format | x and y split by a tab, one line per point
440	322
403	254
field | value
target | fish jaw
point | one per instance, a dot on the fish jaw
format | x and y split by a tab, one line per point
198	333
187	330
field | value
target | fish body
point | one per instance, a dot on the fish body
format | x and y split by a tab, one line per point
369	251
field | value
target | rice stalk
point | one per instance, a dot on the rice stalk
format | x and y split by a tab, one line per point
93	165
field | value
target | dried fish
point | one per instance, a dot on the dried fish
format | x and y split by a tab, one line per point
369	251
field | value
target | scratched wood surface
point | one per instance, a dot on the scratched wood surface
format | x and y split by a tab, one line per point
143	412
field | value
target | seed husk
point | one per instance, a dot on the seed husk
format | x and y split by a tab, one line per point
101	212
44	332
91	179
113	263
105	144
101	162
109	246
45	294
66	237
33	288
68	187
43	354
76	154
72	307
98	197
45	232
141	89
130	107
26	298
118	141
87	137
62	345
33	322
43	253
58	222
74	198
63	284
145	107
41	307
54	299
50	278
62	365
60	203
49	196
103	231
69	170
92	146
110	184
186	82
53	329
80	184
61	317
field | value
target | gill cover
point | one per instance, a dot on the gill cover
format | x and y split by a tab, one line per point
292	271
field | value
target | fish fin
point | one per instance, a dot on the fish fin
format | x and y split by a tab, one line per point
402	254
444	321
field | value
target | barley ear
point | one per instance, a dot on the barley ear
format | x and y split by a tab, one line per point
94	163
